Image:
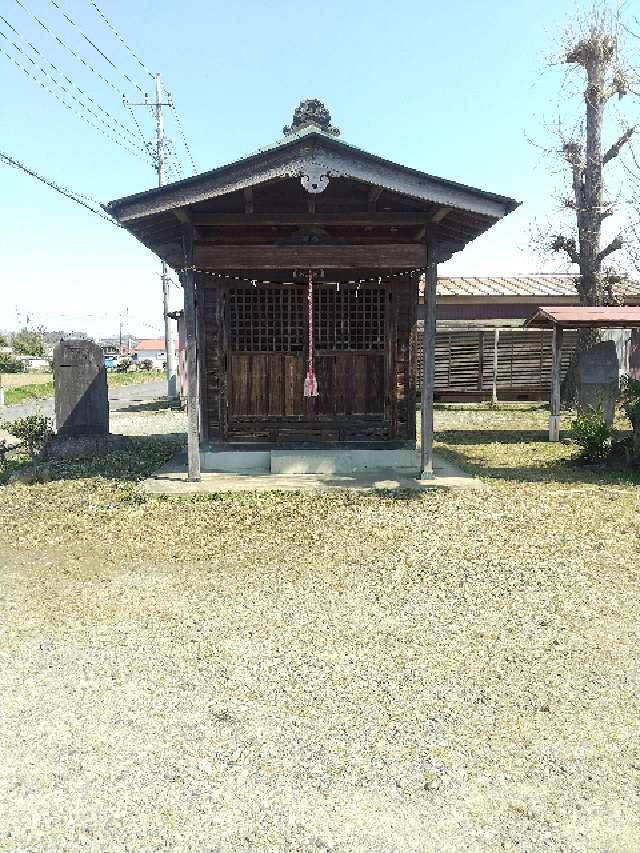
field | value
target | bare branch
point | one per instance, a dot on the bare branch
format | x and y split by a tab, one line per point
616	244
617	146
619	86
568	245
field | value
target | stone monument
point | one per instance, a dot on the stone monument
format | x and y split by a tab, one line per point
82	401
599	379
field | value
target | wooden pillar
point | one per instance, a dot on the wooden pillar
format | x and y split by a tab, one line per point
191	325
428	361
494	384
554	416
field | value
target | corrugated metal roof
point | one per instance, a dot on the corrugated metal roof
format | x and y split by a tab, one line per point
574	316
540	285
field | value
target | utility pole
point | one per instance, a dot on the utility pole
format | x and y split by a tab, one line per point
159	158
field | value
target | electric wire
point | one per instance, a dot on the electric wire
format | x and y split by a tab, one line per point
145	142
95	47
152	75
121	40
110	127
70	50
59	188
176	160
182	134
64	102
66	77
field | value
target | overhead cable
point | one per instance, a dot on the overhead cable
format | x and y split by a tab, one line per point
65	191
96	48
120	39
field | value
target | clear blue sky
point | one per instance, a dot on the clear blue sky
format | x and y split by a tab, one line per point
450	88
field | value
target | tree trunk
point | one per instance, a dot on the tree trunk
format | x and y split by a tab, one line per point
587	187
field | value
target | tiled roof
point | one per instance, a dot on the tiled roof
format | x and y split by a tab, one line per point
151	344
522	285
574	316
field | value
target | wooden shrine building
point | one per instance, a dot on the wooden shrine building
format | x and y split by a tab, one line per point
300	267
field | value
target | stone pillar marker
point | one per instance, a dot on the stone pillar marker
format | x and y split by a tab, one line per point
599	379
80	378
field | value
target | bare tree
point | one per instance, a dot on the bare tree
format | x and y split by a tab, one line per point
593	50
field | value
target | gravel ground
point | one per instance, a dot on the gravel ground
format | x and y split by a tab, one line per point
455	671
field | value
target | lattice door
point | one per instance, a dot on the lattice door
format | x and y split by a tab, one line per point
267	335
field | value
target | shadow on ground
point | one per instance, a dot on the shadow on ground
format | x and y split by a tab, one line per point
134	459
496	436
529	460
151	406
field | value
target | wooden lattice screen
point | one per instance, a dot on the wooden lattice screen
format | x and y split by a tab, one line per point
349	318
267	319
274	319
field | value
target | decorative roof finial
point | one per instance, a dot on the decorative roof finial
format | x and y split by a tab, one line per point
311	113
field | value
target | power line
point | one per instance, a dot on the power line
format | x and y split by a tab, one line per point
85	94
183	134
65	191
121	40
151	74
109	126
70	50
176	160
63	101
137	124
96	48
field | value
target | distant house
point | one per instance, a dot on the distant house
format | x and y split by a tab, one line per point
114	347
152	349
181	356
33	362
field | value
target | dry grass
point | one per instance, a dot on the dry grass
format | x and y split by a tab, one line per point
325	672
18	380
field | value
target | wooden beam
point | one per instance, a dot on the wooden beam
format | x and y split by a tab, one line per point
429	357
248	200
190	319
378	218
372	200
440	214
373	256
182	215
554	416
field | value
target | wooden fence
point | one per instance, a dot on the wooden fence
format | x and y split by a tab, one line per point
470	361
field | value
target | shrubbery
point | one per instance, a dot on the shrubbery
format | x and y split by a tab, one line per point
593	434
631	407
33	431
9	364
29	342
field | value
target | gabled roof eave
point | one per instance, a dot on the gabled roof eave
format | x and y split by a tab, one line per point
295	157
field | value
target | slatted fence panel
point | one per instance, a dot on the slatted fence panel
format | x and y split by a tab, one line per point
464	363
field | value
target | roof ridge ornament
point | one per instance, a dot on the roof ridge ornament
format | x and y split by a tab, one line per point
311	113
316	178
